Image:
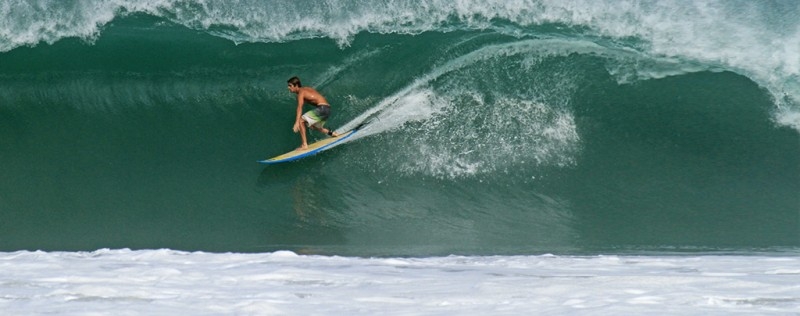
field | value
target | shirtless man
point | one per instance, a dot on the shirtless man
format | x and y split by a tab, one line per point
315	118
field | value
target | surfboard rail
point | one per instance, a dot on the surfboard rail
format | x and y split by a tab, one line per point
313	149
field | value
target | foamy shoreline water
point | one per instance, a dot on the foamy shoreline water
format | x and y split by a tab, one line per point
167	282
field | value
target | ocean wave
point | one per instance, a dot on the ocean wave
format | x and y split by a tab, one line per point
756	39
513	127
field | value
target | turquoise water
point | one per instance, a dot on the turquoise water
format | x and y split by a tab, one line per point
496	128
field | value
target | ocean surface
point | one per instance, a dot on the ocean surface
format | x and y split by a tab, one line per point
520	155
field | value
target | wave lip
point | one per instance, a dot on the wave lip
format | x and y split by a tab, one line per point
755	39
32	22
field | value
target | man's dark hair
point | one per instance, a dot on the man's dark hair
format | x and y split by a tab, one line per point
295	81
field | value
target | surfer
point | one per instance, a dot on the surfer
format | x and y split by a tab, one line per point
315	118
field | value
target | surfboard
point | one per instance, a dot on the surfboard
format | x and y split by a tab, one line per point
313	148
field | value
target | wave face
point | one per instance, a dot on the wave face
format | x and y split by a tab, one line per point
510	127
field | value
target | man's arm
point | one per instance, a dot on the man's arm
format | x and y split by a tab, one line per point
298	118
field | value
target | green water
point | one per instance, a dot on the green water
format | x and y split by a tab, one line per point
482	141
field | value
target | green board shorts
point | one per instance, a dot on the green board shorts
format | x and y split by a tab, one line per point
318	117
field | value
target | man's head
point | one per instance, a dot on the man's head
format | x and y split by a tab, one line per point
294	84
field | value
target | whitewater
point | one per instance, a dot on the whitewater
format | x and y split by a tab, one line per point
167	282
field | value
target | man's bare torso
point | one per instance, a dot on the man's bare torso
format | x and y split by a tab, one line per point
312	96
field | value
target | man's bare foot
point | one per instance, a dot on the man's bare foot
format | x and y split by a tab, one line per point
304	147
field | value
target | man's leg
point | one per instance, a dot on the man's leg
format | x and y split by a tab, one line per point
303	135
324	130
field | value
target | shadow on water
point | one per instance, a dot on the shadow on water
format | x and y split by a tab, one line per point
299	207
277	174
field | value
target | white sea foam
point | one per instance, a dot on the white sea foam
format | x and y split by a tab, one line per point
166	282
